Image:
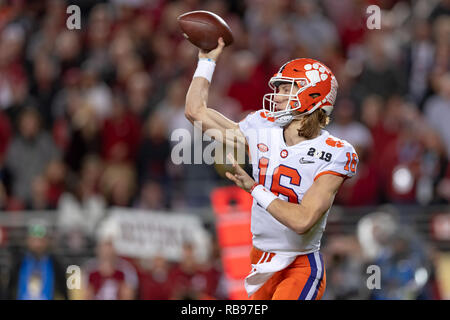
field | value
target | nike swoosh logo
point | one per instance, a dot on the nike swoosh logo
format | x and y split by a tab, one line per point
303	161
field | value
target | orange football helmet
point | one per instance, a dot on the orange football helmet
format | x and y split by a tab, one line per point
317	88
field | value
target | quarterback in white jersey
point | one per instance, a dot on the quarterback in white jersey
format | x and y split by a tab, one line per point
297	169
288	172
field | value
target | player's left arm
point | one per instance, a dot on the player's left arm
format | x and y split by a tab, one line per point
316	201
298	217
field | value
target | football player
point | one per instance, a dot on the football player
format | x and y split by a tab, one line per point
297	169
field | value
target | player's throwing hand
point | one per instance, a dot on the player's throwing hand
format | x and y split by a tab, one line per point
213	54
240	177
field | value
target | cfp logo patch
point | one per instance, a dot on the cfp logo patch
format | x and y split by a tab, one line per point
322	155
262	147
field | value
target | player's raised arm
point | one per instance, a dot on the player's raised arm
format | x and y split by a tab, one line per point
196	109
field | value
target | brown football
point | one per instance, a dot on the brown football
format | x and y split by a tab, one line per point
204	28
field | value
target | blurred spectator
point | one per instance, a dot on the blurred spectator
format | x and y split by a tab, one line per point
350	20
314	31
68	98
68	50
229	107
154	150
5	135
44	86
98	35
84	138
3	198
90	176
433	165
109	277
441	9
437	110
390	243
81	207
372	114
37	274
55	175
383	118
121	133
30	151
246	86
400	160
404	271
443	186
39	199
13	82
413	162
344	269
380	74
155	282
347	128
171	109
139	88
118	185
419	61
190	280
364	188
152	197
94	91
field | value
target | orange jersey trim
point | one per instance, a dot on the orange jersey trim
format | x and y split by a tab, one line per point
331	172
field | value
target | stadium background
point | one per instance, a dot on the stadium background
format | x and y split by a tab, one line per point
86	118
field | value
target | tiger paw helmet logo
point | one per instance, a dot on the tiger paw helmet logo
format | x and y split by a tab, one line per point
316	72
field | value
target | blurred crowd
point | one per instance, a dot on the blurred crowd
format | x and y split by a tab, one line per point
86	116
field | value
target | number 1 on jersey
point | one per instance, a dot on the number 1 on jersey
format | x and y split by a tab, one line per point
262	166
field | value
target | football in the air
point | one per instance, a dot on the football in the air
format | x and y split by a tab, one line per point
204	28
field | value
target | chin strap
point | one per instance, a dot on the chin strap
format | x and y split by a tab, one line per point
285	119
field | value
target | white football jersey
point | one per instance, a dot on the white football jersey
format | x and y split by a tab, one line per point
289	171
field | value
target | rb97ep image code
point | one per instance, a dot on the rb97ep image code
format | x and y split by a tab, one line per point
245	308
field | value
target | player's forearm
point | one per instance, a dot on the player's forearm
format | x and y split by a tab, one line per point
196	99
294	216
197	96
299	217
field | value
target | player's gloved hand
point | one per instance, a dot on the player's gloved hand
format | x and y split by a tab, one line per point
240	177
213	54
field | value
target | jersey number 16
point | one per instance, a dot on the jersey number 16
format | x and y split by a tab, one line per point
275	185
